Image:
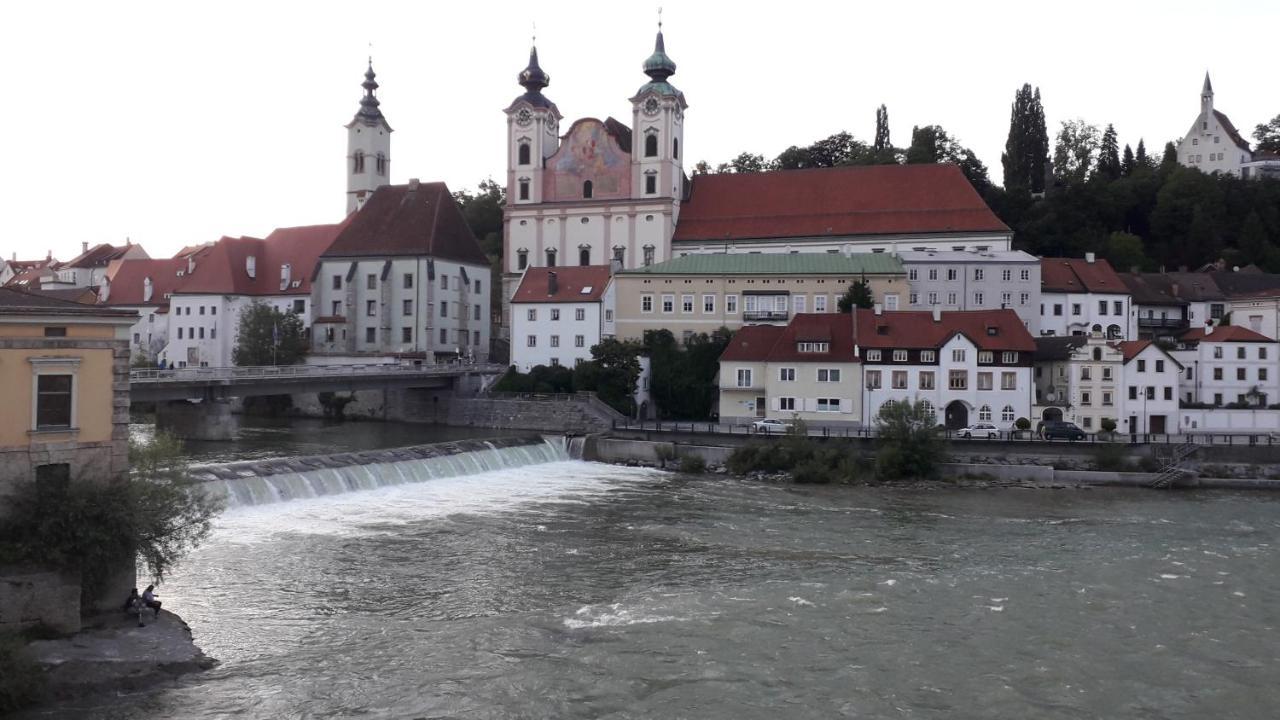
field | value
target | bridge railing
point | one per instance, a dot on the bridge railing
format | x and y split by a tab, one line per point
213	374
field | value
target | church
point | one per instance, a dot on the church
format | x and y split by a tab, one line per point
1214	145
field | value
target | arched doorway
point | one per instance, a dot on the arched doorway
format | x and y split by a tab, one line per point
957	415
1052	415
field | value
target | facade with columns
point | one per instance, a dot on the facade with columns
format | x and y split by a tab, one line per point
600	193
368	147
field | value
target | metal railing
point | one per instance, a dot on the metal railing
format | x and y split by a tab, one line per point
766	315
215	374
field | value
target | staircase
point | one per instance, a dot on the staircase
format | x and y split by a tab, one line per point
1173	470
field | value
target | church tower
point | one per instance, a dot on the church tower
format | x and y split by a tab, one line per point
533	125
658	131
1206	98
368	146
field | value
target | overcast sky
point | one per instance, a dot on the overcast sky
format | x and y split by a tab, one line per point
176	123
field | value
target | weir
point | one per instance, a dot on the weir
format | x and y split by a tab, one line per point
259	482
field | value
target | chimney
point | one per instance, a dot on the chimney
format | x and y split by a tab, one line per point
553	284
1090	257
84	246
615	266
877	309
413	184
937	313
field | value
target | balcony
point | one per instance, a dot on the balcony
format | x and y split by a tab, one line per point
764	315
1151	323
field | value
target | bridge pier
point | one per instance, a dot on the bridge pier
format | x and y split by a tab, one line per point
208	420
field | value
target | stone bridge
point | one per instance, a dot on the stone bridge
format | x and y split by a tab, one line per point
193	402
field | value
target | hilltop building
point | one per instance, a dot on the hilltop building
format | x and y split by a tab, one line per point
1214	145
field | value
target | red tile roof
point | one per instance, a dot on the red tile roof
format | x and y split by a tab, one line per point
1224	333
126	286
412	219
834	202
917	329
1130	348
836	329
570	283
98	256
223	267
752	343
1077	275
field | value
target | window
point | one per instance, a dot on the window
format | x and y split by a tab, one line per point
444	282
551	257
370	335
477	312
1024	298
913	274
899	355
957	355
1133	392
381	164
985	381
1168	393
523	154
1217	398
786	374
646	303
408	281
357	163
709	304
1075	309
202	333
337	282
1087	423
1008	358
580	314
608	315
1106	373
899	379
1216	310
584	256
651	145
524	189
650	183
1106	399
532	314
1150	393
1102	307
928	356
299	307
668	303
828	374
913	299
619	254
977	273
926	380
475	338
1024	274
1240	374
986	357
522	259
828	404
933	273
984	413
1117	307
1057	310
873	356
1007	414
444	308
798	303
1262	353
951	273
1086	373
1217	373
406	335
579	340
1008	381
201	309
686	303
1086	398
328	334
1006	275
444	336
958	380
873	380
1240	353
371	281
933	298
371	308
951	298
53	401
744	377
56	332
408	307
1006	299
926	409
179	333
1217	352
648	255
1262	374
555	341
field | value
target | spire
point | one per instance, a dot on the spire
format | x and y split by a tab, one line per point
1208	88
369	113
532	77
659	66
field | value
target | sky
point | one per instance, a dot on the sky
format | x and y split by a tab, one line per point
176	123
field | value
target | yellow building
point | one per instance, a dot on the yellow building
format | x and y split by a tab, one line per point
64	390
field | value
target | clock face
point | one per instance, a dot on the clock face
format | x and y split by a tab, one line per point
524	117
651	106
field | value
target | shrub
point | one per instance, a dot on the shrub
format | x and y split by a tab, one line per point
1108	425
664	452
1022	424
693	465
909	445
1112	457
1148	464
20	677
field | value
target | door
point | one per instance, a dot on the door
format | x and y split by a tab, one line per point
1157	424
760	407
957	415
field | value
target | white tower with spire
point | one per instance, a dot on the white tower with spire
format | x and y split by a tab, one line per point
368	146
533	126
657	123
1213	145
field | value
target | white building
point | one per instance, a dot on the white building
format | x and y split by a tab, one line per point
1079	379
1227	365
145	286
1213	145
969	366
558	314
368	147
975	280
1084	296
91	266
404	277
1150	388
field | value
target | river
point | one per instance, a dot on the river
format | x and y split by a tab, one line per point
578	590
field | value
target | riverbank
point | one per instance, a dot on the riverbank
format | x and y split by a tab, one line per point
112	654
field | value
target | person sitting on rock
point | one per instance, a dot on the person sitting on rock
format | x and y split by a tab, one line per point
149	599
131	603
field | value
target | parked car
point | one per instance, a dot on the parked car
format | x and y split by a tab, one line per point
769	425
980	430
1060	430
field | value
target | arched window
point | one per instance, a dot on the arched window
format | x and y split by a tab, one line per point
1006	415
619	253
524	189
584	256
357	162
984	413
651	145
381	163
1113	332
926	409
587	189
650	183
523	259
551	257
1097	353
675	148
524	154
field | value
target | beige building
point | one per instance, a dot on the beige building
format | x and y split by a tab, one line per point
64	368
701	293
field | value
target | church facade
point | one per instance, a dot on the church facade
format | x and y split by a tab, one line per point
1214	145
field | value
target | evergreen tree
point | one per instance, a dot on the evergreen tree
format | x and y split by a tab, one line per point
1040	168
269	337
858	296
1127	162
924	145
1141	159
1202	236
1253	243
1109	154
1170	159
1022	160
882	129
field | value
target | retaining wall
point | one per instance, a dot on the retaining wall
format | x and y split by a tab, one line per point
559	416
31	598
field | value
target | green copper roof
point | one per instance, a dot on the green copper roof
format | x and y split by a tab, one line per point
776	264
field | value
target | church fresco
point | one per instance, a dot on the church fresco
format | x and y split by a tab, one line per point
588	153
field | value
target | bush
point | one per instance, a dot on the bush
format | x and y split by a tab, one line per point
1112	457
664	452
1108	425
909	446
1148	464
693	465
20	677
808	461
1022	424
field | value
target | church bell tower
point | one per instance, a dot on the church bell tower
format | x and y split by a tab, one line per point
368	146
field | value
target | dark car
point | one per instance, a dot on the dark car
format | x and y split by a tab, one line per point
1059	430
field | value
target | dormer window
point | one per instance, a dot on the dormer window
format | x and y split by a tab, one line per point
813	347
284	276
357	162
523	154
587	189
251	266
147	289
651	145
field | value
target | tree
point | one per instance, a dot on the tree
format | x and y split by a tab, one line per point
1203	236
1124	251
483	212
1026	151
1109	154
1268	136
681	378
1074	152
932	144
268	336
612	373
1254	244
1170	158
1127	162
882	130
909	446
748	163
858	295
1141	161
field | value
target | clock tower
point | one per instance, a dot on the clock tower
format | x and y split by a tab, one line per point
533	124
657	112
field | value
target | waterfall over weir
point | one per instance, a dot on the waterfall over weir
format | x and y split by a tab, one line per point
258	482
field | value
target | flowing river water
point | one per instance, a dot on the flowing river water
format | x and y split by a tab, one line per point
568	589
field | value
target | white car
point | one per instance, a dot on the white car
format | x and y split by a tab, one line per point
769	425
980	430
